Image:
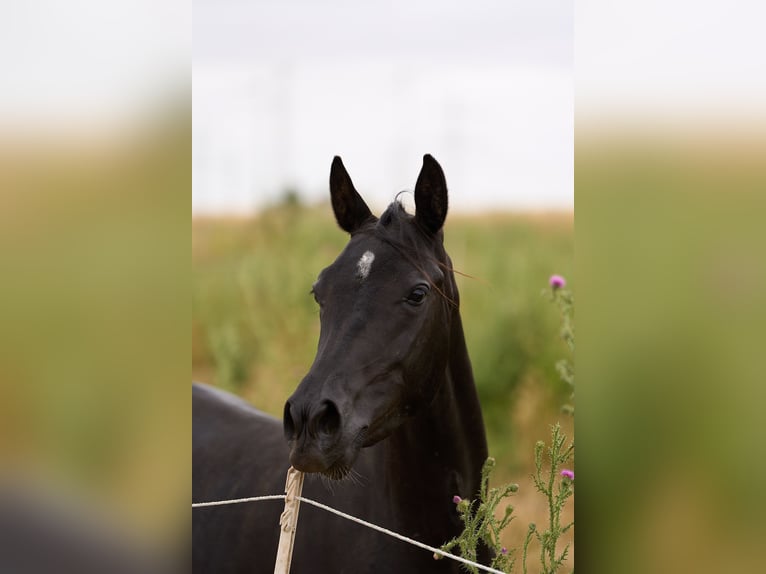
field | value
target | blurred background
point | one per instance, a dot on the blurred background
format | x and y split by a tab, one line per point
670	180
95	177
281	87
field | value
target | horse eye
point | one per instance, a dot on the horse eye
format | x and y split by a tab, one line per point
417	295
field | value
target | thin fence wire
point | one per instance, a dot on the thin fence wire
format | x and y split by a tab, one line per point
238	500
380	529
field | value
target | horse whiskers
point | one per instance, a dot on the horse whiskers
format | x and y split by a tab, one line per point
338	474
328	483
353	477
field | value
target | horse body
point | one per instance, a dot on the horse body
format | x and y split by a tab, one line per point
388	409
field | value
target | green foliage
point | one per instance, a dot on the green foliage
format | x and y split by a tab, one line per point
255	326
564	299
230	364
558	456
481	524
507	323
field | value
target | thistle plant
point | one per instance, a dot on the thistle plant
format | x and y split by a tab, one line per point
557	486
481	524
550	478
564	300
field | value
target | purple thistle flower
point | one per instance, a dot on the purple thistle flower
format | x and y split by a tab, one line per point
456	499
503	550
557	281
567	474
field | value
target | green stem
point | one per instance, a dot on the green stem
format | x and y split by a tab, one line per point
527	540
552	510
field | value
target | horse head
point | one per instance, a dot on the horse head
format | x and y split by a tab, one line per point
386	304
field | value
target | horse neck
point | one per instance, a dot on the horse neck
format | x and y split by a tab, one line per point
440	452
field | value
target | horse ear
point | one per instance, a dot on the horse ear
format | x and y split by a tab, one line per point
431	196
350	209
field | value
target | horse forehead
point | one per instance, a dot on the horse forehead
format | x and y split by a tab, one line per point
372	255
360	256
368	258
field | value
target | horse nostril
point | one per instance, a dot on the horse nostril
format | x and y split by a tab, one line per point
328	418
325	420
289	424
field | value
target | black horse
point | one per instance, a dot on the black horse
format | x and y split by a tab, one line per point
387	418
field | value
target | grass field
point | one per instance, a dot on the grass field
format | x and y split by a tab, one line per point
255	326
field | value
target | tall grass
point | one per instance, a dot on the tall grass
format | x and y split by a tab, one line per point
255	326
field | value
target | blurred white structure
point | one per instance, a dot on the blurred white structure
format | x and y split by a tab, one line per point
281	87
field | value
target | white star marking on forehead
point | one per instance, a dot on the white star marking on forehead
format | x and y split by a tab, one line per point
364	265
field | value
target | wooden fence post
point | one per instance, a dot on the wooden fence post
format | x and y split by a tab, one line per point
289	521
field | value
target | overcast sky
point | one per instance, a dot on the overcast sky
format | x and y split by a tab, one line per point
280	87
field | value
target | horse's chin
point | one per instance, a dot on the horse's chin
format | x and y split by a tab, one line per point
344	456
341	468
367	436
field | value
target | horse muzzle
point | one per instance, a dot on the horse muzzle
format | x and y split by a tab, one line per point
315	435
